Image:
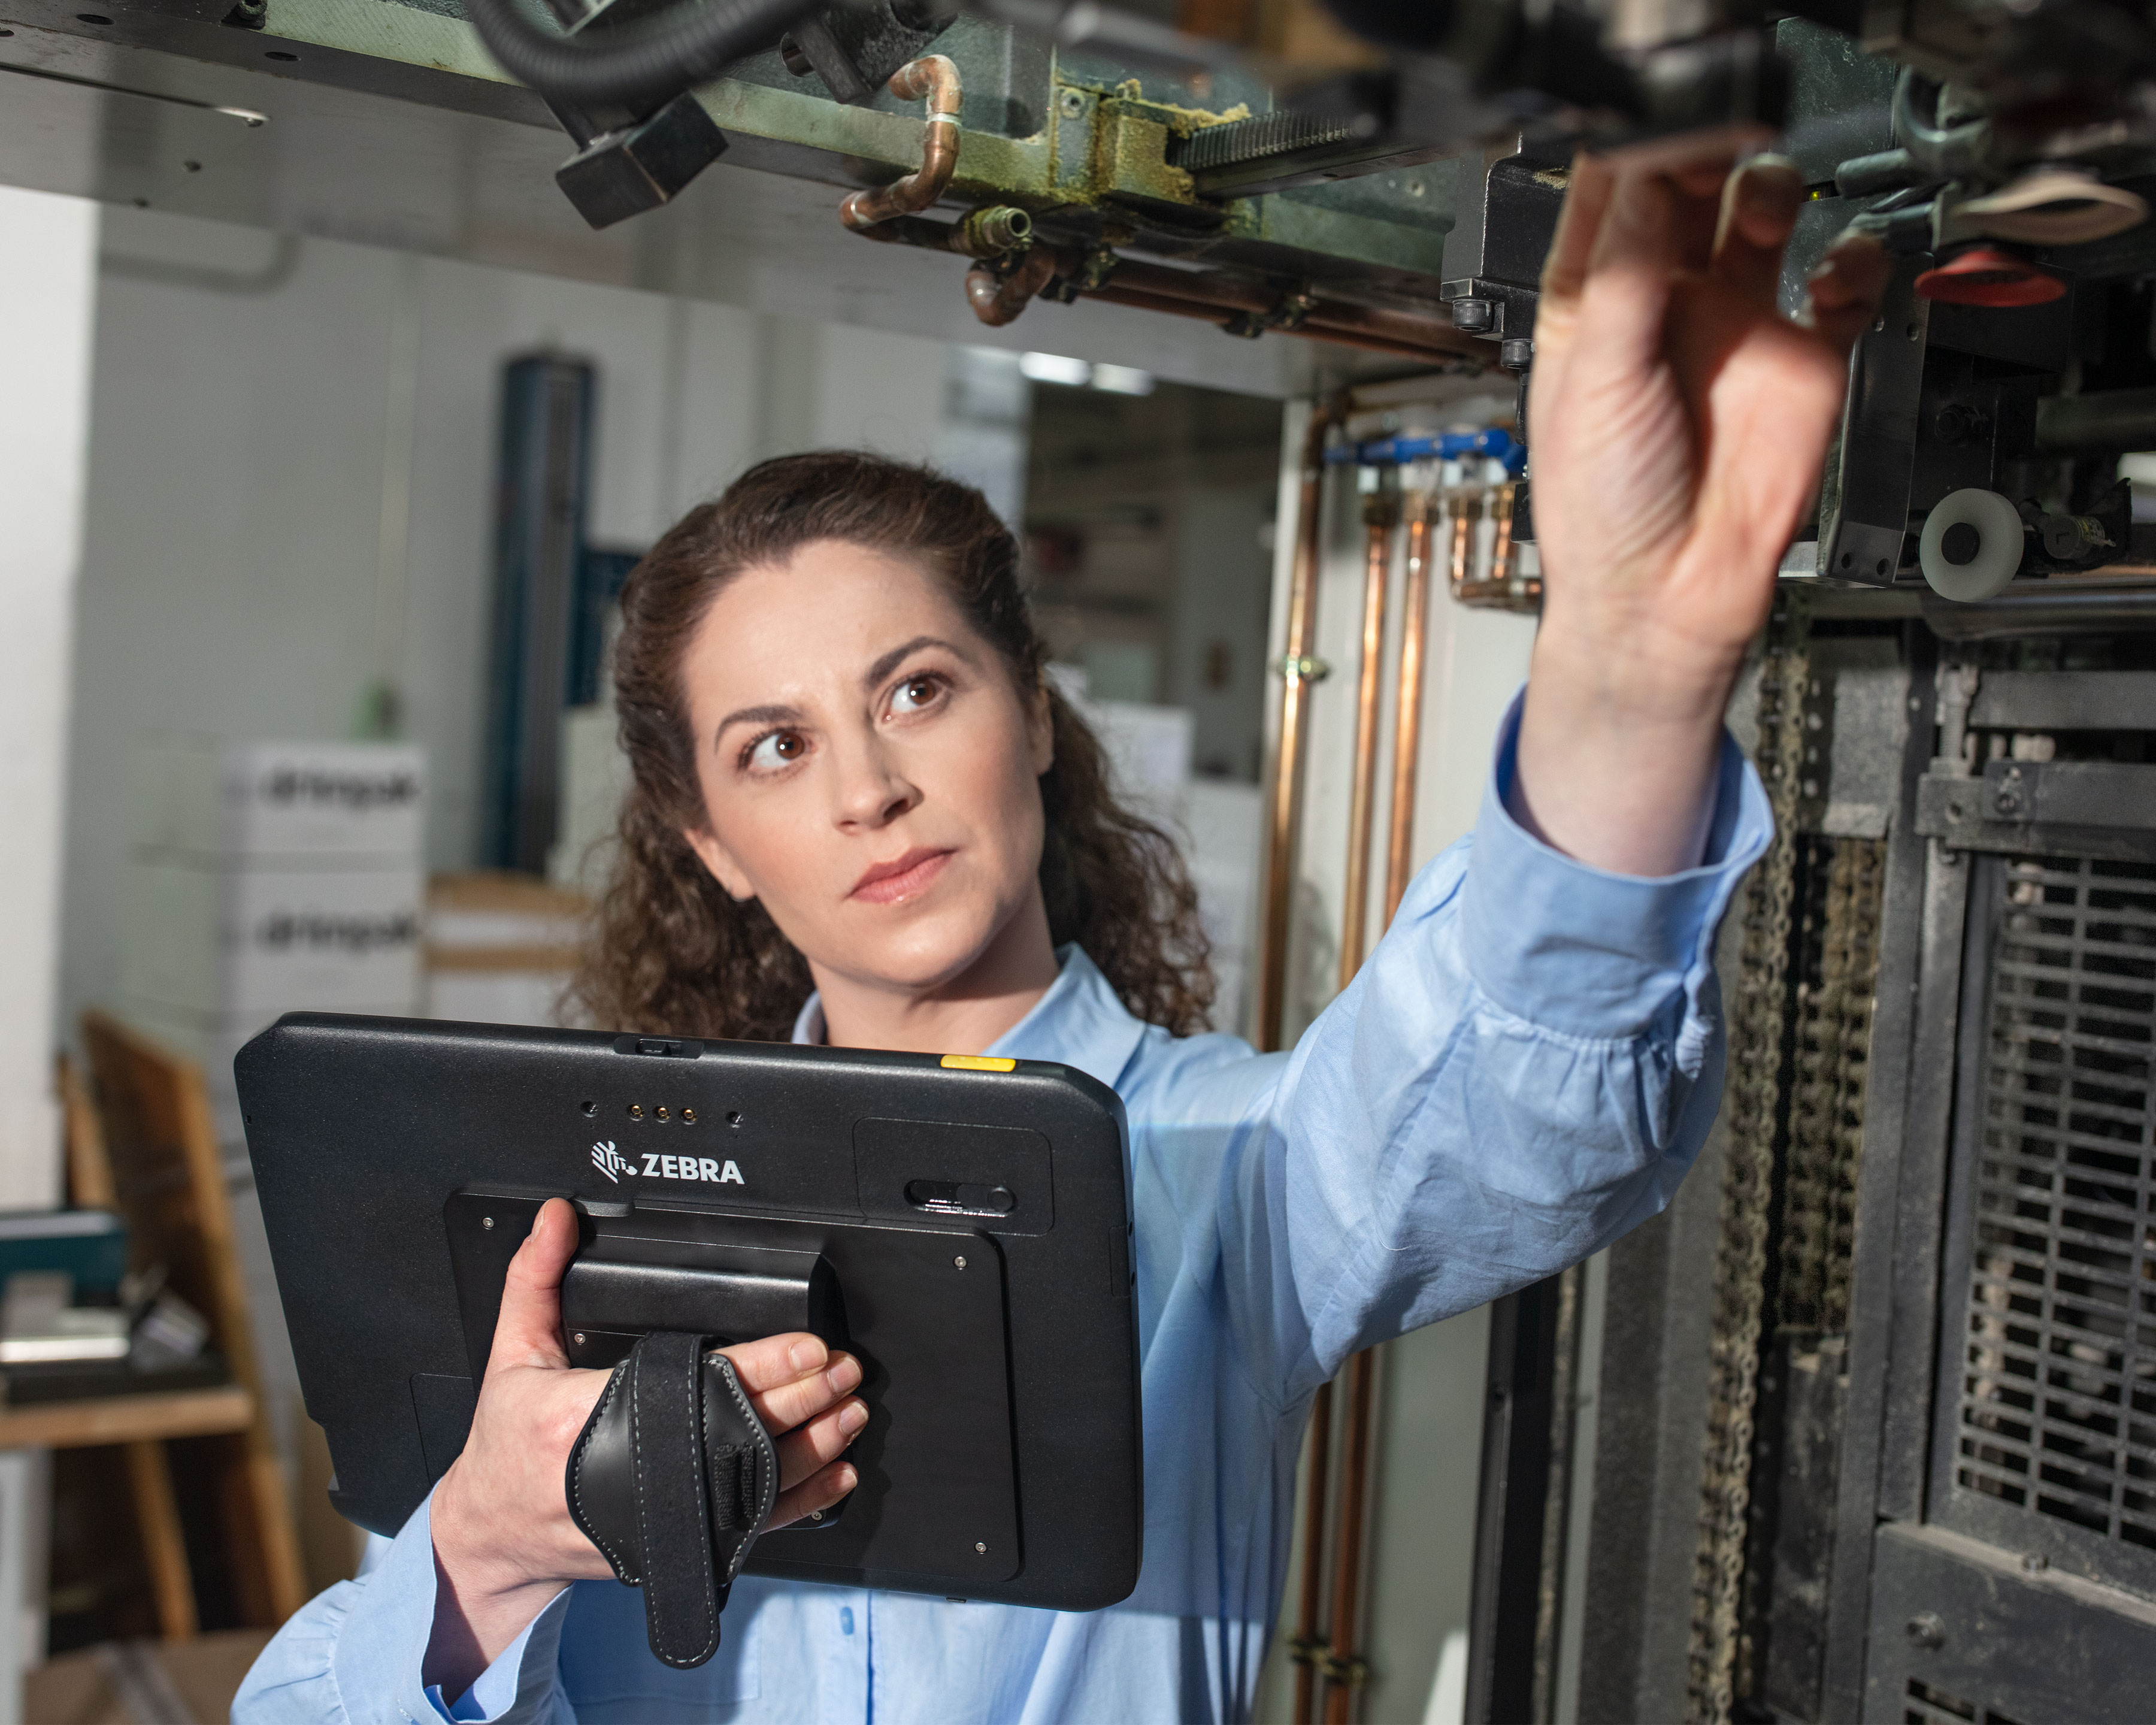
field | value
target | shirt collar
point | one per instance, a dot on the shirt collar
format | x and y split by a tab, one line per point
1078	1022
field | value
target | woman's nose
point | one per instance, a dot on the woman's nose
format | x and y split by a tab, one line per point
872	791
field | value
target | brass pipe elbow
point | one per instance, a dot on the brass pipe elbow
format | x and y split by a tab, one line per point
933	76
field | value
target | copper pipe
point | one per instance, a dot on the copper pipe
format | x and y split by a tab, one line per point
996	300
1466	509
1211	289
932	75
1217	294
1407	728
1219	288
1313	328
1380	514
1380	517
1501	554
1298	671
1344	1670
1304	1649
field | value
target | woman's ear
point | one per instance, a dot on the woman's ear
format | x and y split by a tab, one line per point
720	860
1040	729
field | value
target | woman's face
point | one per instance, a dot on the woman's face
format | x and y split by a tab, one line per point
869	768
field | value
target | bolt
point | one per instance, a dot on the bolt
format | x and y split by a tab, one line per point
1072	104
1959	423
1473	317
981	1547
486	1221
1927	1629
1516	353
960	1261
815	1515
578	1338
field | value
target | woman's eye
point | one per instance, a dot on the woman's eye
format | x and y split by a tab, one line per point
915	693
781	748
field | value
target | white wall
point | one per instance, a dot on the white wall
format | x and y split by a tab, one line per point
47	290
289	497
1430	1415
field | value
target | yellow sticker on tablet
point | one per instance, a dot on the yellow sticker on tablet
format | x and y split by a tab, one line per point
980	1063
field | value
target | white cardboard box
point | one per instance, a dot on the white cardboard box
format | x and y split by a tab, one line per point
236	942
206	798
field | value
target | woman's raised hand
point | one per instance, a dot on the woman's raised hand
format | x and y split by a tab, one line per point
1677	420
504	1541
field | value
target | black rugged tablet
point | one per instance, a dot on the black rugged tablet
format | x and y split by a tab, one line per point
962	1224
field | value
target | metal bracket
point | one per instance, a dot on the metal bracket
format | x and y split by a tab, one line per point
2091	808
1865	510
1490	309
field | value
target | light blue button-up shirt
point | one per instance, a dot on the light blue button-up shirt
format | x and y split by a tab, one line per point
1523	1070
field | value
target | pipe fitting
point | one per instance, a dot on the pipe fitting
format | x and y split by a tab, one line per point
935	77
998	297
991	231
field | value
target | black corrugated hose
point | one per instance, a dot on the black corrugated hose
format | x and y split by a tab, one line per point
688	45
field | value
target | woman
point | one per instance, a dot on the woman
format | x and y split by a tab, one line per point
851	779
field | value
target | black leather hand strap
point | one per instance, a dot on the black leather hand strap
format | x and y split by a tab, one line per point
673	1477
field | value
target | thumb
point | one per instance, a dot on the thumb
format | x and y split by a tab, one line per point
1845	289
528	1333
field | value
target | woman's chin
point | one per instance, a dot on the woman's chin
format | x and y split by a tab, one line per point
930	953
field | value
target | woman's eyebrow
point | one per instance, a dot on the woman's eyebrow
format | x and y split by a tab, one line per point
892	661
757	715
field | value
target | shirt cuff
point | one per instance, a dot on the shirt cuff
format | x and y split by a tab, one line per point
393	1620
1585	953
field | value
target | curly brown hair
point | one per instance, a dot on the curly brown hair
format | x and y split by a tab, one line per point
670	951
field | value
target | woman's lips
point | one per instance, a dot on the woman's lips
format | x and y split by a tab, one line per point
902	877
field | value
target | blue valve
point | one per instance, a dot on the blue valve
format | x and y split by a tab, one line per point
1492	442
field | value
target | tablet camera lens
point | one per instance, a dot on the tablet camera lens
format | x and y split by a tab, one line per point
591	1110
733	1117
636	1111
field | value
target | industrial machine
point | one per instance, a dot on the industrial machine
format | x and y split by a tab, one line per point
1874	1433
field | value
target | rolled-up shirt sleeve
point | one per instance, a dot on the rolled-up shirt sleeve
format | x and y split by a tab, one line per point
1523	1070
353	1656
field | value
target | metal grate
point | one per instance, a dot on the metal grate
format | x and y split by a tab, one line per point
2056	1421
1927	1705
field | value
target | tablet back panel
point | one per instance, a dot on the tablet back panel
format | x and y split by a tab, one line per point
966	1232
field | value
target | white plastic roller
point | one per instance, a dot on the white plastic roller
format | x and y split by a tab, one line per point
1976	564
